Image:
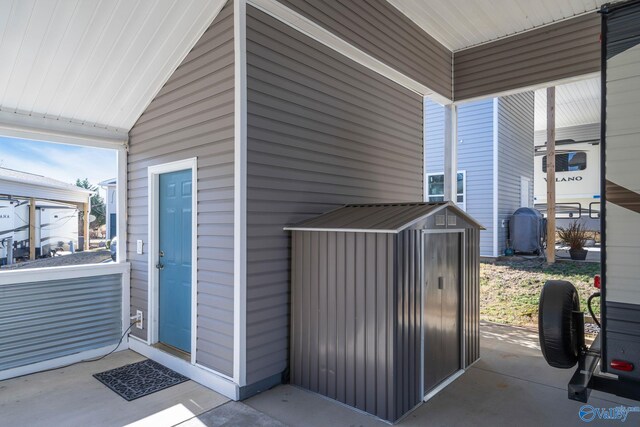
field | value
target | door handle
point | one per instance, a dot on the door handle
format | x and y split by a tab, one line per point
440	282
160	266
161	254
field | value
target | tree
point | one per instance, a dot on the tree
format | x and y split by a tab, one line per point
98	208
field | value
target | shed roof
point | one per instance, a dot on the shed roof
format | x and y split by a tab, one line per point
380	217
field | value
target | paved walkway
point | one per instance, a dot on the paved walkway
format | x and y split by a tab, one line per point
510	386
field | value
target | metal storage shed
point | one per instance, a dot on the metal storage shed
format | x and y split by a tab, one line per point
385	303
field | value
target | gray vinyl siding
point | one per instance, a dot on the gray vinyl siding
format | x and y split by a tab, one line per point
588	132
192	116
566	49
49	319
515	156
475	156
380	30
323	131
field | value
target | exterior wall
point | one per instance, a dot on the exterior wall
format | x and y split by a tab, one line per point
323	131
578	133
621	213
380	30
192	116
49	319
475	156
566	49
515	156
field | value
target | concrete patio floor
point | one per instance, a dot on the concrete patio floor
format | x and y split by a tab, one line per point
510	385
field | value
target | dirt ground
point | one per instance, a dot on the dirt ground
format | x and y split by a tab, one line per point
510	290
79	258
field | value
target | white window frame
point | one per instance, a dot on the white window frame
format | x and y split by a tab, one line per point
154	173
462	205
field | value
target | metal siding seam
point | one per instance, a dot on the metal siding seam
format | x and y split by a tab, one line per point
341	292
322	313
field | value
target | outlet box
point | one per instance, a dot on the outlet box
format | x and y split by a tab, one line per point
139	245
139	319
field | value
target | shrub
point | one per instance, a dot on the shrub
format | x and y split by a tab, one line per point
574	236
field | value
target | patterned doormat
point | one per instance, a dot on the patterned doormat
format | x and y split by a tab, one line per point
139	379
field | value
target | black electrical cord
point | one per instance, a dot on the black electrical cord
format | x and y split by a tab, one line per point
593	316
85	360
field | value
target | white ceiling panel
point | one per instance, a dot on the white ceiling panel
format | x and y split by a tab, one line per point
94	62
459	24
576	104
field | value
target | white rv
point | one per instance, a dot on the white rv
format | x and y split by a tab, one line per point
577	181
56	227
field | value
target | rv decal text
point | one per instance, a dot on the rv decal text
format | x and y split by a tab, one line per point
567	179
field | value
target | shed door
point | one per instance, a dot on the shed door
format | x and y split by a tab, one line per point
441	315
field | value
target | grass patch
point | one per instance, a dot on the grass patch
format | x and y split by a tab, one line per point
510	290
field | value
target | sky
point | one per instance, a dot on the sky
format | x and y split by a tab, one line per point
58	161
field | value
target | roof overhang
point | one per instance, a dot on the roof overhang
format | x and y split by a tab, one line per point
83	72
19	189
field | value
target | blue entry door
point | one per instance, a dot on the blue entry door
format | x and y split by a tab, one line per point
174	311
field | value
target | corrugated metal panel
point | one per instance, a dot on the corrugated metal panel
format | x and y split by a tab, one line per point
471	320
590	132
383	32
408	316
386	217
459	24
577	103
475	157
567	49
515	156
345	320
193	116
323	131
371	217
93	62
46	320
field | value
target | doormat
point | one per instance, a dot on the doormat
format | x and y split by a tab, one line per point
139	379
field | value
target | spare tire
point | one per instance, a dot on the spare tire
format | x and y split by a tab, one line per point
559	334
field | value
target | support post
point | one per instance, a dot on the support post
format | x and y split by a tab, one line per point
551	175
85	225
32	228
450	153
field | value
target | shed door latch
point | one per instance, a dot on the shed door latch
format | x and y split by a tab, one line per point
440	282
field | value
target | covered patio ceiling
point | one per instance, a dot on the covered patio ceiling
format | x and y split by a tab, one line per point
577	104
90	67
90	63
460	24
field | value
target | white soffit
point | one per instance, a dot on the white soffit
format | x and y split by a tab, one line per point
577	103
459	24
97	63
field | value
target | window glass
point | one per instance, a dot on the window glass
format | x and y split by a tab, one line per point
436	184
568	162
435	188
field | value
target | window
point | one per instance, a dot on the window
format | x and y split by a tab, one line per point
568	162
435	188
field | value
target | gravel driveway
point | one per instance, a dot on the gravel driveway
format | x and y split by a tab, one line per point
79	258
